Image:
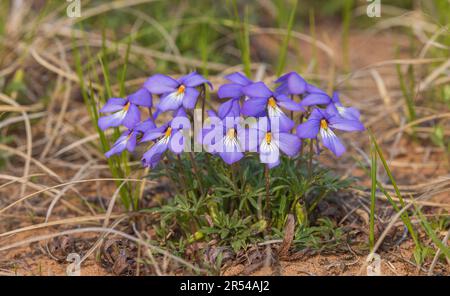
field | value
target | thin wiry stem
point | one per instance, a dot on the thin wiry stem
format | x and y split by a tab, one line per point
196	172
241	176
268	209
301	143
183	175
292	112
234	169
164	162
191	154
373	174
311	153
150	112
203	96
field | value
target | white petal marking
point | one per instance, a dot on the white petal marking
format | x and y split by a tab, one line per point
120	115
268	152
231	143
342	110
327	133
274	111
176	97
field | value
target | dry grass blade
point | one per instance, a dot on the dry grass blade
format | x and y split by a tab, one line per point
101	230
63	106
82	141
433	75
434	191
413	123
13	120
29	136
77	176
166	35
431	41
23	179
289	231
408	200
65	184
18	108
35	161
67	221
66	74
384	94
102	237
438	253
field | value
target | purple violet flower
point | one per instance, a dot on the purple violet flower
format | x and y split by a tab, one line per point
263	102
126	141
128	138
315	96
269	143
234	89
350	113
223	136
125	110
169	136
291	84
324	122
230	108
176	93
234	92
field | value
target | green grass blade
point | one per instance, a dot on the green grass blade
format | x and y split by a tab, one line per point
285	45
204	48
430	232
312	32
373	174
346	19
244	37
405	217
246	59
107	81
388	170
88	96
406	95
124	157
122	77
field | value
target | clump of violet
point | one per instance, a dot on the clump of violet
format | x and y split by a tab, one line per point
253	120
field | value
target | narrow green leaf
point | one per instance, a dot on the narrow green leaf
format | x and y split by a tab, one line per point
373	174
405	216
429	230
285	45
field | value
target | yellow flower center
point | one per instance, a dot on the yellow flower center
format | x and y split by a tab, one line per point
268	137
127	106
181	89
231	133
168	132
272	103
323	124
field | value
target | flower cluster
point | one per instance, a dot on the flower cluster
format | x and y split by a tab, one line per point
252	118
